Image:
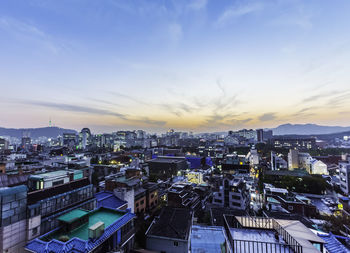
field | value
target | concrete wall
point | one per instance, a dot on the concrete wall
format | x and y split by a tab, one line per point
13	237
166	245
33	224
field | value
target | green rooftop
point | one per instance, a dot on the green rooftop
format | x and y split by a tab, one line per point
73	215
104	215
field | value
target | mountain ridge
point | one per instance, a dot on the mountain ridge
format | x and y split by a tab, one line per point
307	129
49	132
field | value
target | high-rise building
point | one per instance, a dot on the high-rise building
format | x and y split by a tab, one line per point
26	142
85	136
344	173
260	135
293	159
69	139
4	144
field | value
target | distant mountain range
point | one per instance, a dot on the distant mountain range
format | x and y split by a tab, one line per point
307	129
49	132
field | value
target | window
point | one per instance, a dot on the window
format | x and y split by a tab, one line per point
34	231
176	244
142	201
57	182
137	204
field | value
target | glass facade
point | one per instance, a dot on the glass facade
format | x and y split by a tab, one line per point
13	205
62	201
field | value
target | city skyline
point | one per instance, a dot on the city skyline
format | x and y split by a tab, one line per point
201	66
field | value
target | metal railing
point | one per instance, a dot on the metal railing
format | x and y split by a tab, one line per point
249	246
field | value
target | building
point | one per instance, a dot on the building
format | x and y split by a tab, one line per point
69	140
344	174
290	142
281	200
165	167
100	230
85	137
293	159
14	226
260	234
182	195
142	196
305	161
260	135
195	177
109	200
277	162
233	193
26	143
233	164
4	144
207	238
54	193
253	157
170	232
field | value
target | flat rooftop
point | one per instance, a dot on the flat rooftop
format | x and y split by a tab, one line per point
73	215
101	215
260	235
207	239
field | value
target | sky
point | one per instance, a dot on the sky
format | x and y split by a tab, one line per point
190	65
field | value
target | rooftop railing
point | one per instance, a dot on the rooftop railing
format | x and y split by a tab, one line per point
250	246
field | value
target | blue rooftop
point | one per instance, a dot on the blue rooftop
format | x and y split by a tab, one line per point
109	200
76	244
332	244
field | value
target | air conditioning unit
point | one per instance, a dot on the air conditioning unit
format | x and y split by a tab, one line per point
96	230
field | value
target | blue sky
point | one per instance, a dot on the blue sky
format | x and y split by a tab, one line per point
200	65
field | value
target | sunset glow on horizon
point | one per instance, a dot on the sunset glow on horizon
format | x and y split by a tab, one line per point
189	65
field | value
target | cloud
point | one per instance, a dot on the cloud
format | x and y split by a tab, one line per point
104	102
339	100
234	12
147	121
297	16
267	116
322	95
75	108
175	32
197	4
131	98
30	32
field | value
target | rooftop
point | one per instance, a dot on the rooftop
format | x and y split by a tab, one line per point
172	223
207	239
113	219
106	216
109	200
72	215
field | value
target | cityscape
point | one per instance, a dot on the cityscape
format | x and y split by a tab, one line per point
174	126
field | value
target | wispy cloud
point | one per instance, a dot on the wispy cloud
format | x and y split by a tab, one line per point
147	121
321	95
268	116
237	11
296	16
175	32
26	31
197	4
131	98
75	108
